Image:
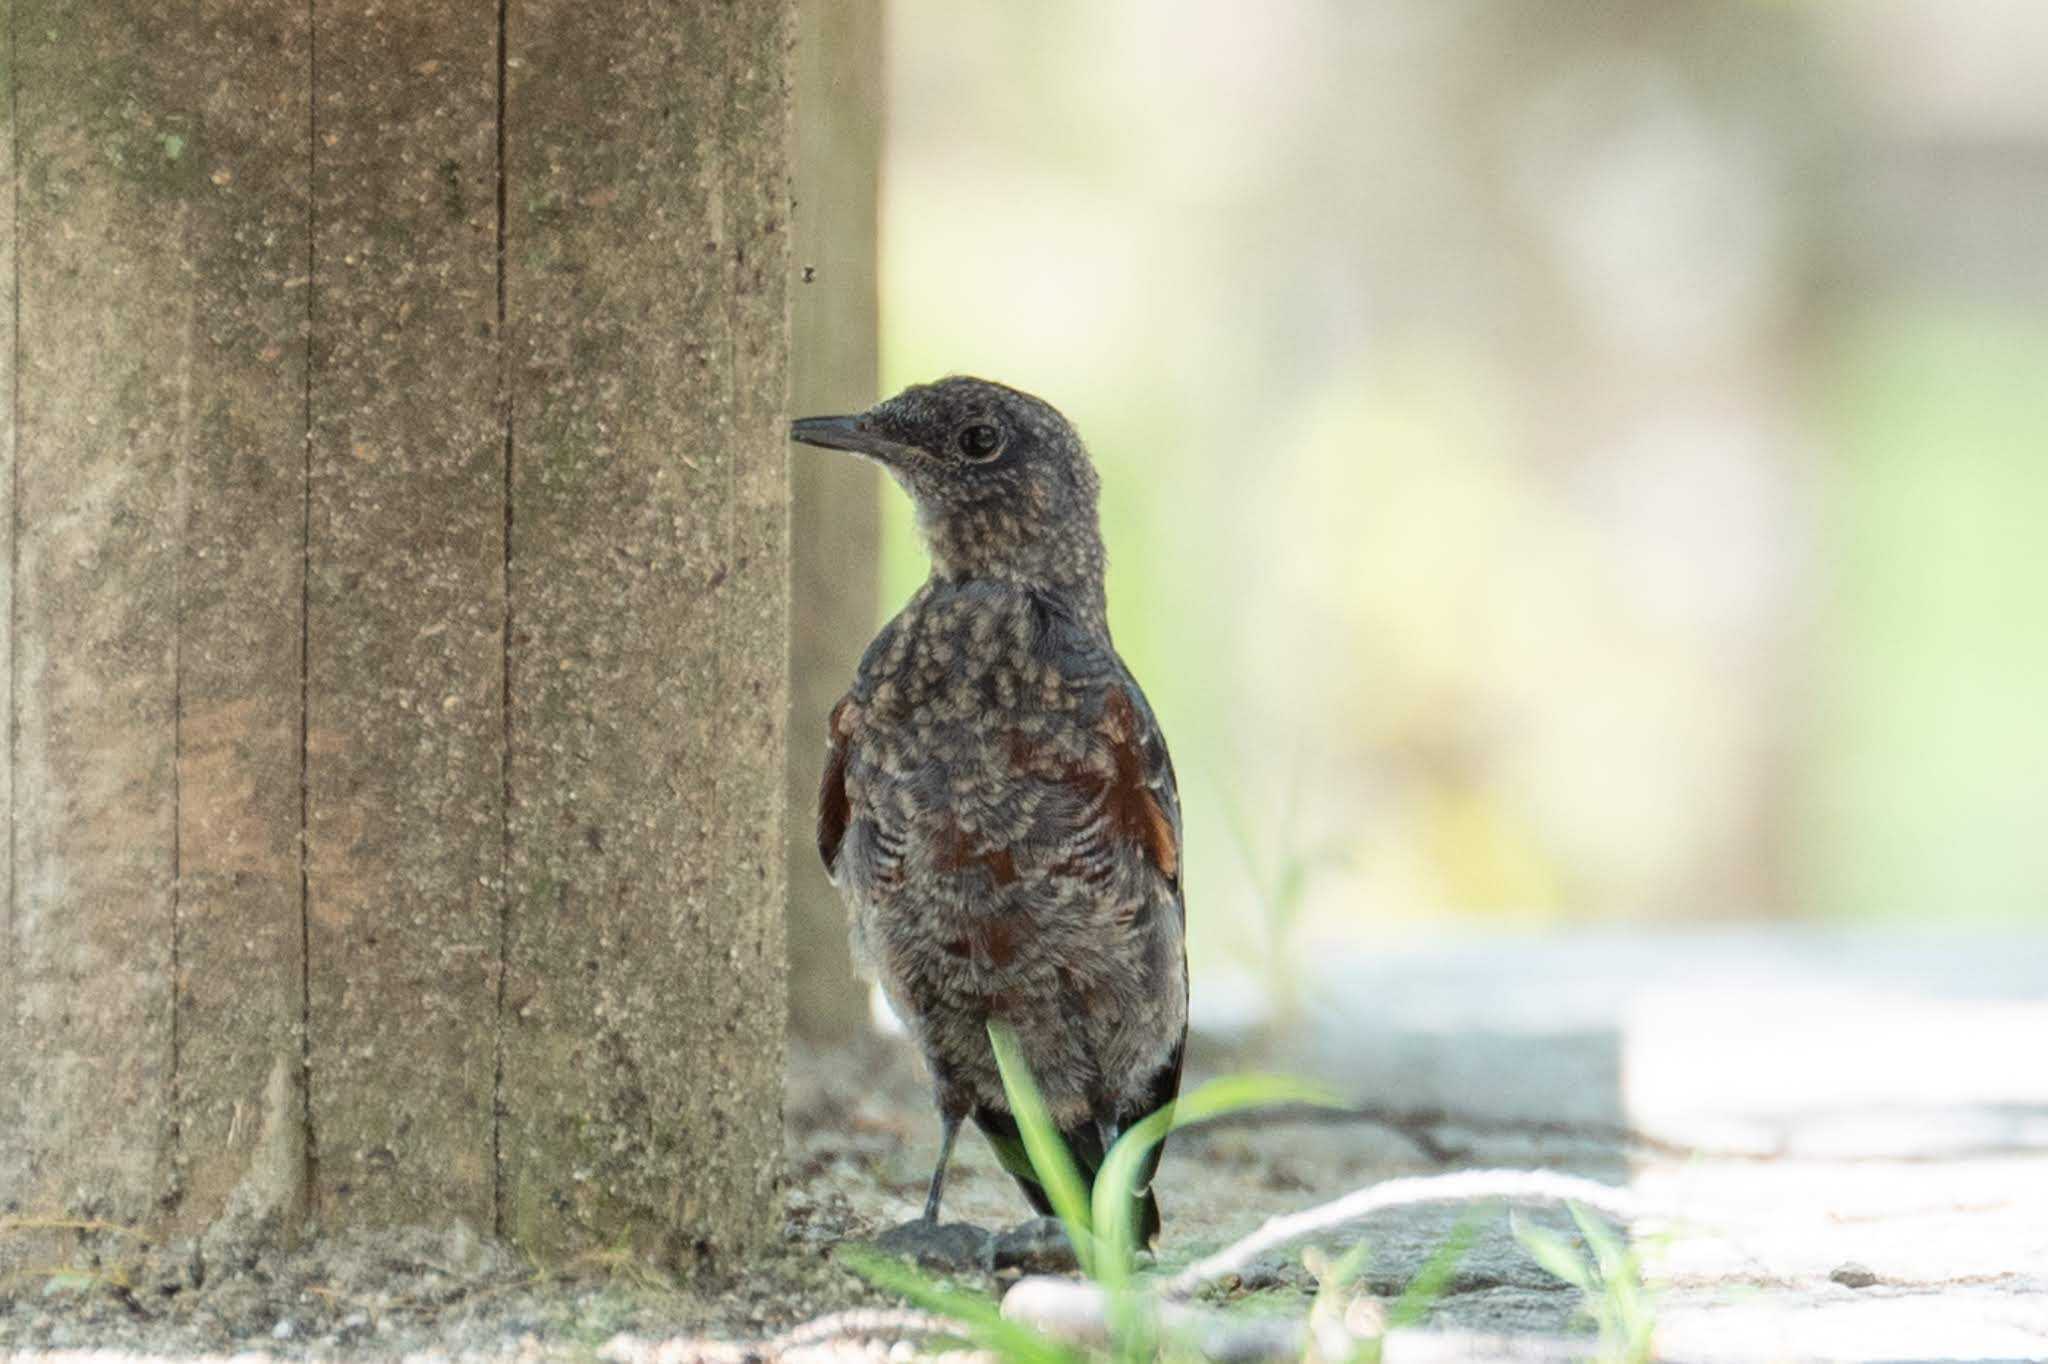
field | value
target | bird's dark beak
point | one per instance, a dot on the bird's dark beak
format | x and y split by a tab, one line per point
852	434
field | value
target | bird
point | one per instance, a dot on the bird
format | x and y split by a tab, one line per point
998	809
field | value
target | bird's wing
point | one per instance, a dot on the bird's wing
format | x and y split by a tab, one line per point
1143	805
834	813
1143	796
1128	777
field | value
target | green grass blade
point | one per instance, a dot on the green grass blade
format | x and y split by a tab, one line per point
1552	1252
980	1318
1623	1307
1115	1183
1608	1251
1351	1264
1050	1159
1435	1275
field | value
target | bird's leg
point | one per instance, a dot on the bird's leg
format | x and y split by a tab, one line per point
950	1248
950	1130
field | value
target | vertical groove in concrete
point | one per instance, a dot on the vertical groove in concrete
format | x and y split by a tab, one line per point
504	902
180	510
309	1137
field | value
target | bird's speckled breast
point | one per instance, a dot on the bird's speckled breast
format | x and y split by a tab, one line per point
975	855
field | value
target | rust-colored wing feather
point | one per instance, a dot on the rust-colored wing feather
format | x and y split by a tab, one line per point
1142	804
834	813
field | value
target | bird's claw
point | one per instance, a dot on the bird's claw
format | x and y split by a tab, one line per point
938	1245
1039	1246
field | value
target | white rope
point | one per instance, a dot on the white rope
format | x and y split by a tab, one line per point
1541	1186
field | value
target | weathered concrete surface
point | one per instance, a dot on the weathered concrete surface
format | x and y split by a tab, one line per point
405	612
154	994
648	530
100	402
279	538
835	510
239	1104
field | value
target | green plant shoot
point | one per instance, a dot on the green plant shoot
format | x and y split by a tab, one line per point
1050	1159
981	1320
1115	1183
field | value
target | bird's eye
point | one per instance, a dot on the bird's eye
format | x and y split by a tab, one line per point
979	441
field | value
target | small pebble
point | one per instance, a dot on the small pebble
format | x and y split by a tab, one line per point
1853	1275
283	1330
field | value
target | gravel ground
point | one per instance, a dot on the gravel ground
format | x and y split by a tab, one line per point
1848	1136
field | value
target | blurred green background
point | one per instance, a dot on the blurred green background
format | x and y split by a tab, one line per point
1561	461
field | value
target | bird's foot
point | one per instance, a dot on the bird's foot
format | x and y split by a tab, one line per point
1039	1246
938	1245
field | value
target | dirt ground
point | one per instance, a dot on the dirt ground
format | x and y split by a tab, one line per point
861	1135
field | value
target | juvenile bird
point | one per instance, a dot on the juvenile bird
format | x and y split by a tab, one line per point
998	809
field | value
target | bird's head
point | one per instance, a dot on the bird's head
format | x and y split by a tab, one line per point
1003	486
